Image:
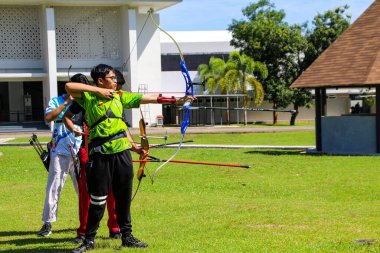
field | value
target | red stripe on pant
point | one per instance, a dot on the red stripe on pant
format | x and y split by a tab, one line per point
84	199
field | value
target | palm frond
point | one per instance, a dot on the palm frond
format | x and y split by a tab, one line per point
257	89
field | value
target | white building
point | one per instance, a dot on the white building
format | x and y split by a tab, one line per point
41	39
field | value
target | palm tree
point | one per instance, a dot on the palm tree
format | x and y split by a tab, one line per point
238	74
213	73
241	72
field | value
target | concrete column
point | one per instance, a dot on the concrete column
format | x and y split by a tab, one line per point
129	38
50	55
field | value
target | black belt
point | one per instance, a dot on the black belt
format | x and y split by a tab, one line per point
100	141
58	121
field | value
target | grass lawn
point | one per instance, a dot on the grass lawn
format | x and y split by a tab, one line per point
287	202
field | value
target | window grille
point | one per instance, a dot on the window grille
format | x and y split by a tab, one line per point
88	33
20	33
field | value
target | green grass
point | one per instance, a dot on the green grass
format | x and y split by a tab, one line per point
287	202
26	139
277	138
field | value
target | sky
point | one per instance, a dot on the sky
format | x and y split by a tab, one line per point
209	15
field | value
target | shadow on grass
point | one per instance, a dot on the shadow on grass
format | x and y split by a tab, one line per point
277	152
34	241
17	233
296	152
51	250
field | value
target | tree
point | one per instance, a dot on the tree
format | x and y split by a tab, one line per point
266	37
238	74
287	50
327	27
213	72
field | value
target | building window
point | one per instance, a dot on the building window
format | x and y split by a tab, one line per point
170	62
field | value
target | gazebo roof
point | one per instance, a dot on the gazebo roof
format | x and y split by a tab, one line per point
353	60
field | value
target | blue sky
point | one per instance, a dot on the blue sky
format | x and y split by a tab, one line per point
206	15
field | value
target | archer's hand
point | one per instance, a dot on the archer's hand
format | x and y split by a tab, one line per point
77	132
69	99
182	100
139	150
105	93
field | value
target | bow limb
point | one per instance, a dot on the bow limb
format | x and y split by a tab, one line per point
188	91
144	154
145	147
75	161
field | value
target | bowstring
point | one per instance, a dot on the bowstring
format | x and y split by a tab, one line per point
186	115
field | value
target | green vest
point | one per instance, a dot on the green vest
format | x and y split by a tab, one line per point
97	107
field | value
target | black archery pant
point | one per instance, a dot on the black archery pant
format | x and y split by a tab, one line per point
114	170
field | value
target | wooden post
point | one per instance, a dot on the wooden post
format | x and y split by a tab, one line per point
228	111
323	102
318	119
378	119
212	113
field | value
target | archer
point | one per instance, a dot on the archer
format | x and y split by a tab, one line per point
109	156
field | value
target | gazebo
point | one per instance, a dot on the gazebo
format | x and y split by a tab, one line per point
352	61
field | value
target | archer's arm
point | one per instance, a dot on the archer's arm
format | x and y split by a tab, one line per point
69	123
52	115
76	89
134	148
155	99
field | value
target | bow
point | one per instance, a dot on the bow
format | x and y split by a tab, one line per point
75	161
143	155
86	134
189	91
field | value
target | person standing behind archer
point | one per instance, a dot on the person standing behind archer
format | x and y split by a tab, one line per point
110	158
63	146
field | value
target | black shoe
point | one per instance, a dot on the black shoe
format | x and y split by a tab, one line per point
86	245
78	240
132	242
115	235
45	230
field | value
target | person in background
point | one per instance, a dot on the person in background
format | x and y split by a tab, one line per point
64	146
120	81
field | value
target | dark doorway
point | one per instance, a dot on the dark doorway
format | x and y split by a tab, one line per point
61	88
34	89
4	102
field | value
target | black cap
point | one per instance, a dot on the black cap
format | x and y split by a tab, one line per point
79	78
